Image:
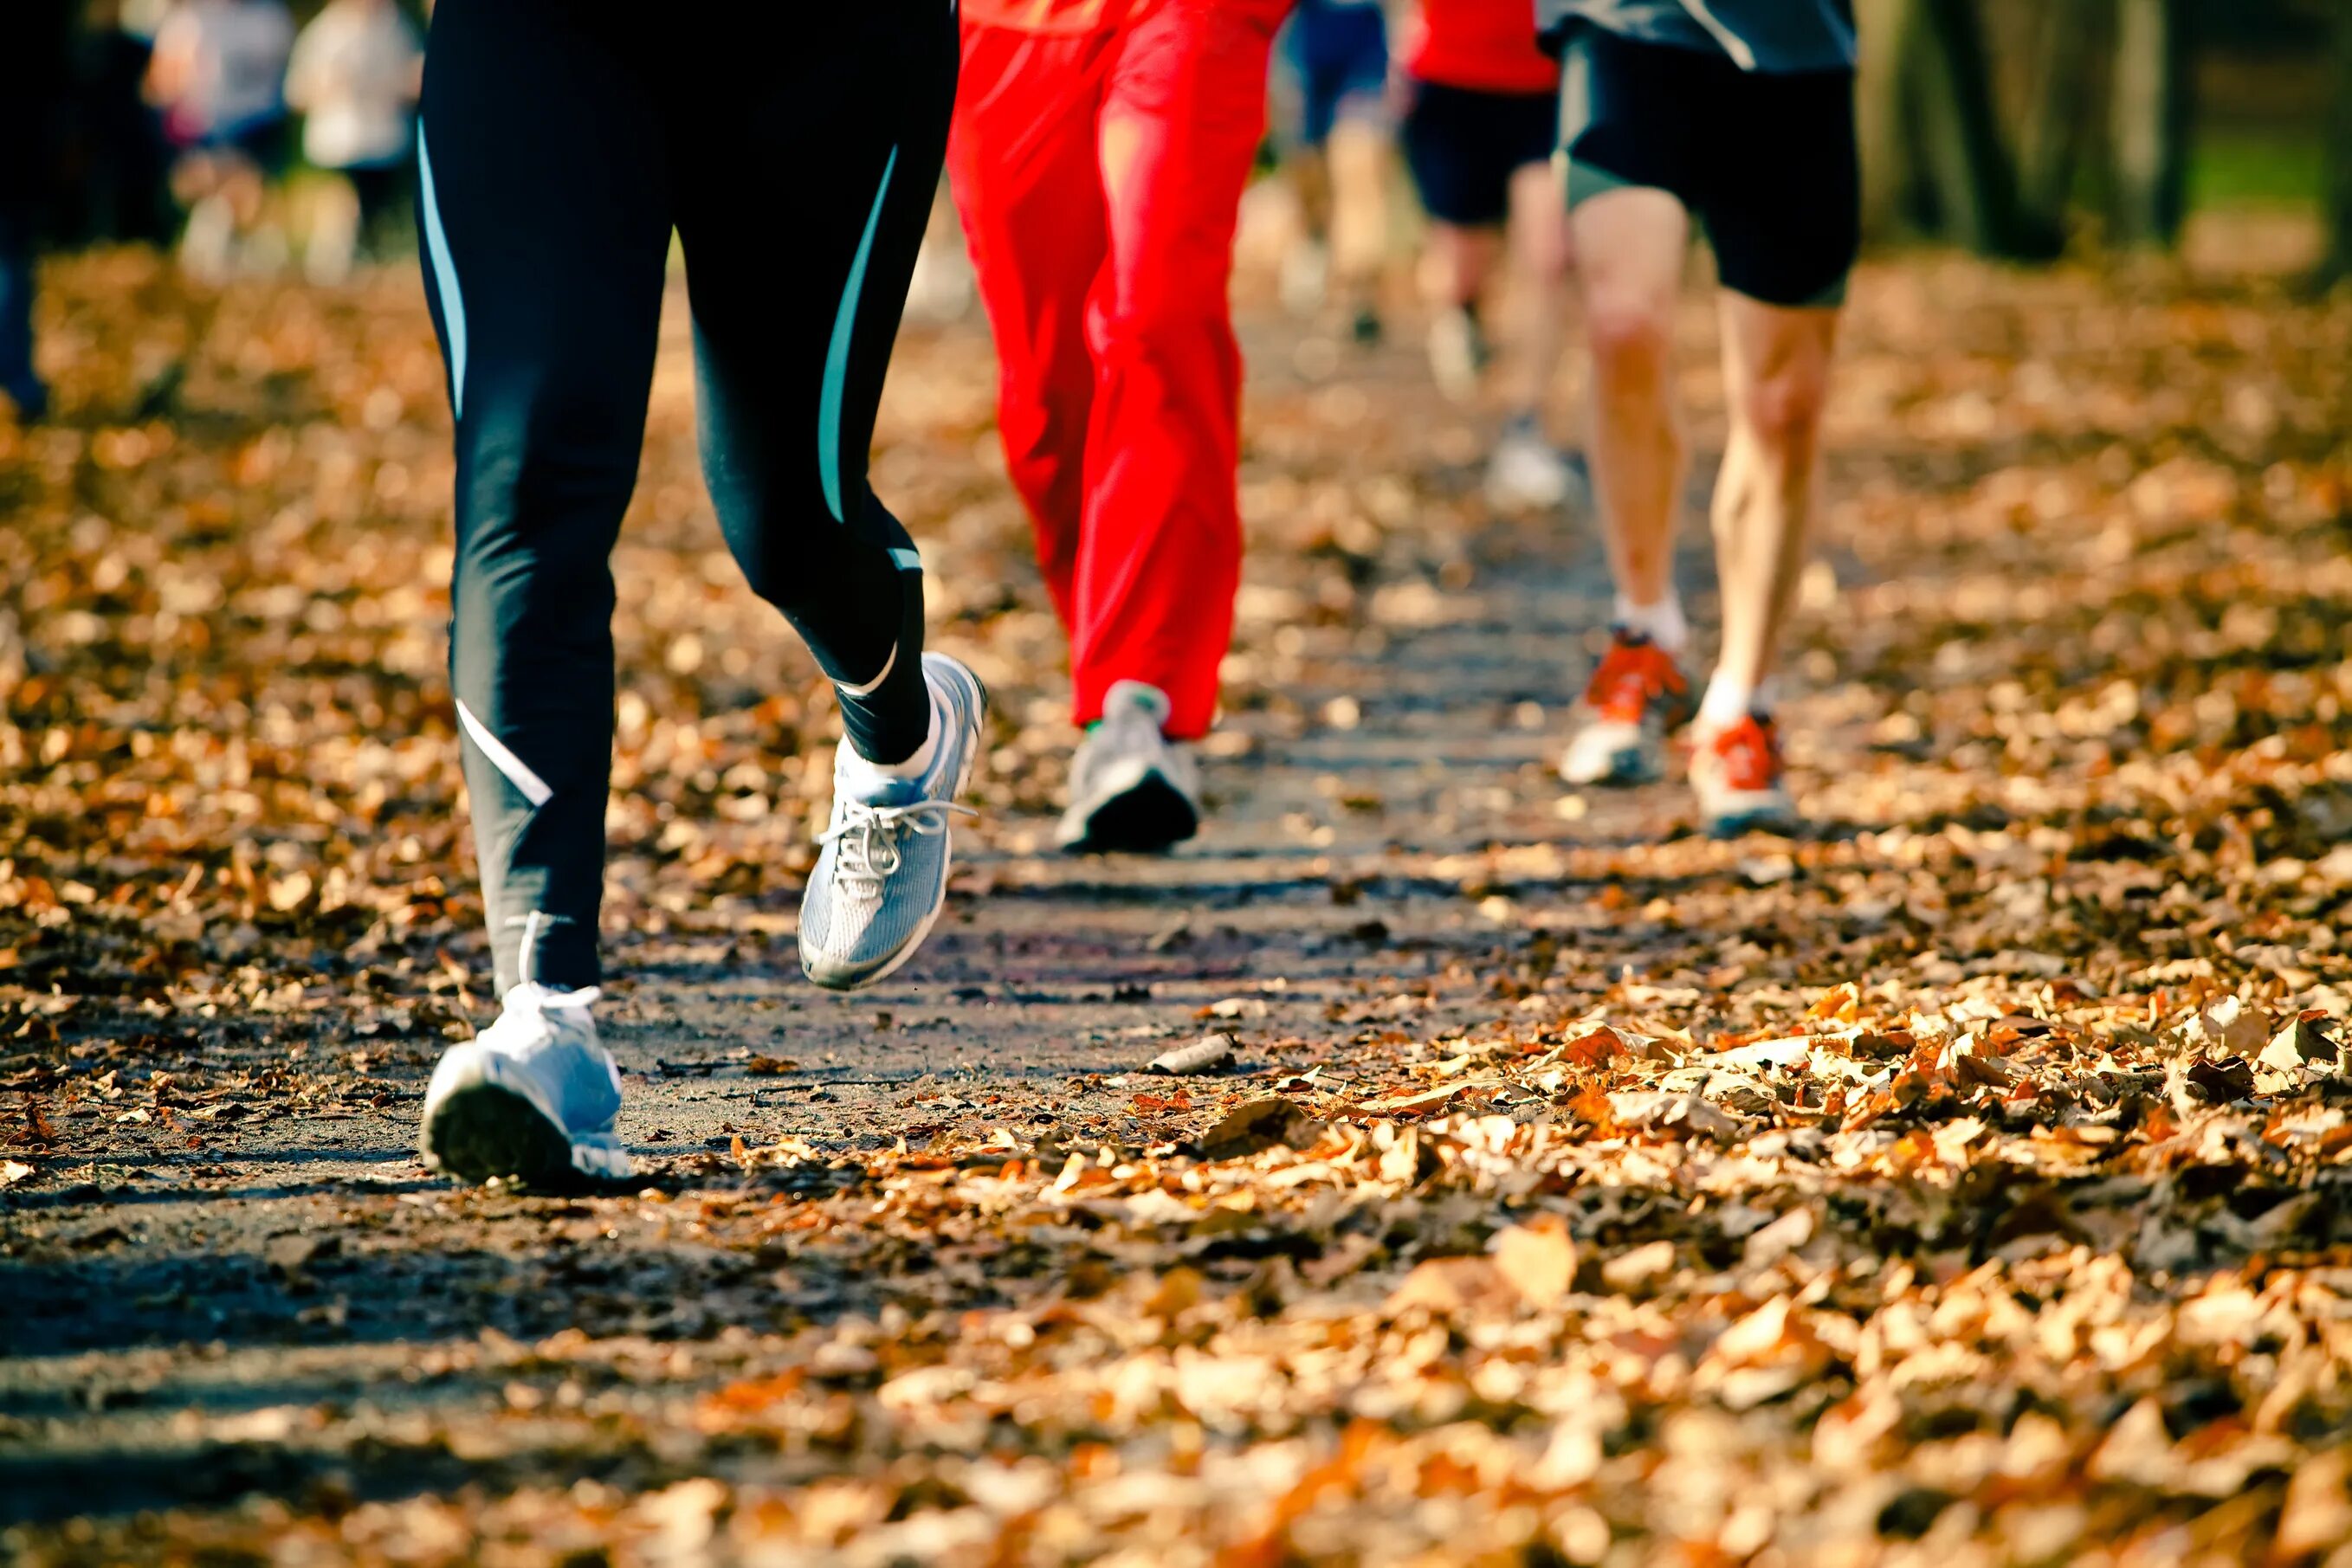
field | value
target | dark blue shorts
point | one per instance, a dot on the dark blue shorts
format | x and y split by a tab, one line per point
1338	51
1766	162
1464	145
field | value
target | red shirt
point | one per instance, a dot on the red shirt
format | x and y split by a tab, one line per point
1086	16
1488	46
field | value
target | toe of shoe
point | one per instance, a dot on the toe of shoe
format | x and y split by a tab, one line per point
599	1158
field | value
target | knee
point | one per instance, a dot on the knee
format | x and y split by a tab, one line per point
1782	410
552	435
1630	329
1171	312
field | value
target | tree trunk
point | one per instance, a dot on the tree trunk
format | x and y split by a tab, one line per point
1881	123
2061	96
2150	126
1969	168
2338	193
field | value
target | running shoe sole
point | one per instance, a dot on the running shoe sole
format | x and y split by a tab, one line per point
486	1132
1149	817
1628	769
1778	820
837	979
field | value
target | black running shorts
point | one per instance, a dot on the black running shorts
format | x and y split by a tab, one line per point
1464	145
1766	162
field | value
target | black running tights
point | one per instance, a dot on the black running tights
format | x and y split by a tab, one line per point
795	147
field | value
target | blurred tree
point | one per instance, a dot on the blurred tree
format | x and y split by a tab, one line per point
1933	155
2064	42
2338	193
2150	121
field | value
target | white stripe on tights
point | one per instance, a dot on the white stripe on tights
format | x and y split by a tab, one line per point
519	774
870	688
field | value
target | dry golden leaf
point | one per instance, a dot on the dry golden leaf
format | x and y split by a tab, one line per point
1538	1260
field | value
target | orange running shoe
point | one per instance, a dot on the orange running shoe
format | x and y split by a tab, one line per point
1635	700
1737	776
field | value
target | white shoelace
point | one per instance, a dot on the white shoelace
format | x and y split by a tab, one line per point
869	837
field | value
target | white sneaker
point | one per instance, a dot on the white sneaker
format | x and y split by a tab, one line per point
530	1100
879	885
1130	786
1526	473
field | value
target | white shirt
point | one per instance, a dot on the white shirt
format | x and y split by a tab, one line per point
354	76
235	53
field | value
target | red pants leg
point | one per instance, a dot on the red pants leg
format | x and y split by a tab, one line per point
1022	162
1160	551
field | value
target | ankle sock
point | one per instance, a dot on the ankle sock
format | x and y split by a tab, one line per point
1662	623
1728	701
916	765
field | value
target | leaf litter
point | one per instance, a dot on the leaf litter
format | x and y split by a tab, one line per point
1967	1180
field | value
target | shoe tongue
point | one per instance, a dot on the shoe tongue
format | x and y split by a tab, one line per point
532	994
876	789
1135	700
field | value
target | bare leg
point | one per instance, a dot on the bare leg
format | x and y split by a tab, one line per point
1776	374
1307	268
1539	240
1455	265
1357	162
1630	242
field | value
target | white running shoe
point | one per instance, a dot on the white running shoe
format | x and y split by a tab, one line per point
1132	788
882	880
530	1100
1526	473
1457	353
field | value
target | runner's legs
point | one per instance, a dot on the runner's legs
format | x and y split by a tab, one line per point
1027	180
1629	243
1537	235
544	207
1776	363
558	146
1161	553
790	376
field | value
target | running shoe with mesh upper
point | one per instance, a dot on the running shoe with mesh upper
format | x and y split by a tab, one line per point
1636	699
1736	774
882	878
1132	788
530	1100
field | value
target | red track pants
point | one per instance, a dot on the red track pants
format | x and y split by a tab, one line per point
1099	174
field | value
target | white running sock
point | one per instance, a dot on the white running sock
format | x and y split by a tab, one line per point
869	778
1662	623
1728	701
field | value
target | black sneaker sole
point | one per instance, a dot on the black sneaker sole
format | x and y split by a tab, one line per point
1150	817
1739	824
483	1132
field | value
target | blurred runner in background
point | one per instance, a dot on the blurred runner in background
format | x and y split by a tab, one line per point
115	160
1741	113
354	76
1099	154
218	75
560	143
1337	150
35	36
1481	121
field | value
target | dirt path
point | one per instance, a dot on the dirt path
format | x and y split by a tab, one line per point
931	1274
